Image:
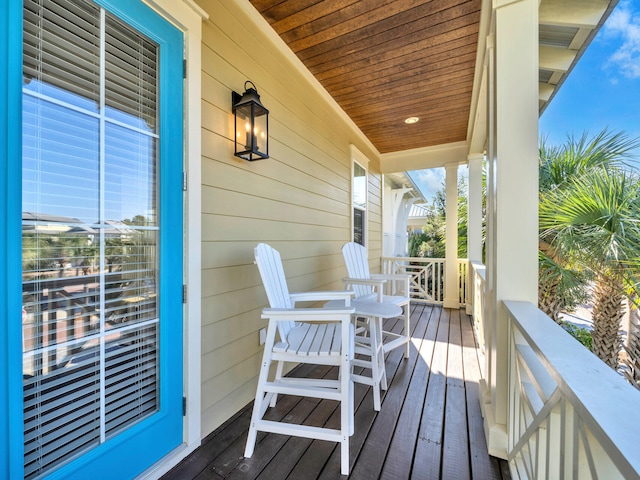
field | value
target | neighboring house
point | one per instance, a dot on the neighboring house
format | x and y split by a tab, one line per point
418	216
121	371
399	200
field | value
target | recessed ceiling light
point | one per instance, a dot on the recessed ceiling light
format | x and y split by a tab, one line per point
411	120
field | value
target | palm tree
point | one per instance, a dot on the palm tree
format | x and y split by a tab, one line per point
632	360
594	220
605	150
562	281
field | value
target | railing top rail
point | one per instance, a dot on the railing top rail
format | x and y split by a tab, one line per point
420	259
480	269
602	398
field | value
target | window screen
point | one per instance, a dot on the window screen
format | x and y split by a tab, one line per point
89	230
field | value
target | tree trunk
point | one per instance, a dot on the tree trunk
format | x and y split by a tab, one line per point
608	310
632	361
548	300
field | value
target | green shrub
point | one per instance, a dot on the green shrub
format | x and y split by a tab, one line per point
583	335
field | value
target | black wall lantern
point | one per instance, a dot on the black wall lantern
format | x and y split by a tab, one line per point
251	131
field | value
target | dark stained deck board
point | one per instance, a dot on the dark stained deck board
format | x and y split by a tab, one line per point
430	425
455	448
427	460
400	454
482	465
373	454
366	419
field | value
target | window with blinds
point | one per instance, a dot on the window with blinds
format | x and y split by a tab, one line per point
89	230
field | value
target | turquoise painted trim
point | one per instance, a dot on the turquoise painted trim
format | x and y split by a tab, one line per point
11	424
136	449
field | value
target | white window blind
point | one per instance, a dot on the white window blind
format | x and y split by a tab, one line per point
90	230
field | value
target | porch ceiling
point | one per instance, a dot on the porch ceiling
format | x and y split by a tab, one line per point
386	60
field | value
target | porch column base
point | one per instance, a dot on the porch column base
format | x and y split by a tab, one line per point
451	303
495	433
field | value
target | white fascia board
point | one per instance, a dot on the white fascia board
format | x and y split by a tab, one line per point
422	158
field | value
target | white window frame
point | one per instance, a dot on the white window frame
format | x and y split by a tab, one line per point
357	157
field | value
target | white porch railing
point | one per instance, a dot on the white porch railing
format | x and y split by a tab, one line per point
477	288
570	415
427	277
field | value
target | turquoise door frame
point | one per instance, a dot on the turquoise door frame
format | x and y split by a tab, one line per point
139	447
11	451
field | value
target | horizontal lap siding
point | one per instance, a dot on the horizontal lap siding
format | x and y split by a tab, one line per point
298	201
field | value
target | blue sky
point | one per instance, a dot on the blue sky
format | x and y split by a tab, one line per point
602	91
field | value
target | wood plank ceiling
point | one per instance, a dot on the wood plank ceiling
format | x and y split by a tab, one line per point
384	61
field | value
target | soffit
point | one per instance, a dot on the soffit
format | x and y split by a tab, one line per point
386	60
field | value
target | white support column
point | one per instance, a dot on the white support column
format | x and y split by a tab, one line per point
394	212
513	159
402	247
474	209
451	295
474	213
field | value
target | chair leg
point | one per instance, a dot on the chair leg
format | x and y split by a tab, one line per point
407	330
344	456
255	417
261	397
380	357
376	350
351	401
346	413
278	377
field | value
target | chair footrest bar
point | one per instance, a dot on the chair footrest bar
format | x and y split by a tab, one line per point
303	391
318	433
388	346
363	379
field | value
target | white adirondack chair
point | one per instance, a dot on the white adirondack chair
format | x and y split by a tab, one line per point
369	287
306	335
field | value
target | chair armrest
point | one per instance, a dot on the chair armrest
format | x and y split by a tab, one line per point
394	279
309	314
391	276
315	296
364	281
376	284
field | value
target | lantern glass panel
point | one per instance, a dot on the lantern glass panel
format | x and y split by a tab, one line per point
260	134
243	128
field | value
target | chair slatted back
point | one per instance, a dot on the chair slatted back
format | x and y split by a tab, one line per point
275	283
357	261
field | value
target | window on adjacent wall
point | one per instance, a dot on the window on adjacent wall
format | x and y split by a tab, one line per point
359	200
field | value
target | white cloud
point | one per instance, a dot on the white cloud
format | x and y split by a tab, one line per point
624	23
430	181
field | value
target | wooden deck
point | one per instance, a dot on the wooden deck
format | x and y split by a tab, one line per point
429	427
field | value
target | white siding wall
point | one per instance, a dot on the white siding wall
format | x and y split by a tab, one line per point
298	200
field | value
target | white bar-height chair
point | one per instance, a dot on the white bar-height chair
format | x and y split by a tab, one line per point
368	343
369	287
306	335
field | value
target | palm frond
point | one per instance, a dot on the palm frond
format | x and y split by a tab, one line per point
596	217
